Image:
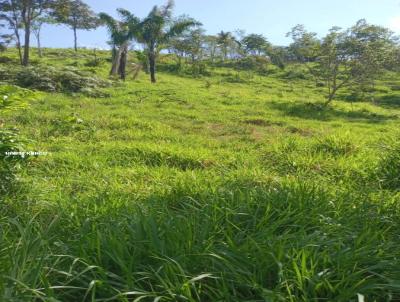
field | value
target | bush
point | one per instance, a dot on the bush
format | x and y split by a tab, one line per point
51	79
36	78
9	142
258	64
94	63
5	60
297	74
199	69
12	98
238	77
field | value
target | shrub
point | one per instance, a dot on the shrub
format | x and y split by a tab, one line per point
297	74
12	98
234	78
51	79
199	68
5	60
9	142
37	78
258	64
94	63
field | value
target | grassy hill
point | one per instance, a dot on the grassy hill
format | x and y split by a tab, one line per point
228	187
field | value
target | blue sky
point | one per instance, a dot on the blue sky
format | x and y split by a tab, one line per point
273	18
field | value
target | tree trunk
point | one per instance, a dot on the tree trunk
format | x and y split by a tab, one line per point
152	63
116	62
20	53
39	45
123	60
18	45
331	96
119	61
25	61
75	40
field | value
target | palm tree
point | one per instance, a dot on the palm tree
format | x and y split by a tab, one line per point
121	33
224	40
157	29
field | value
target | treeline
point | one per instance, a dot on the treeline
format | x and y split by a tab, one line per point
351	58
25	18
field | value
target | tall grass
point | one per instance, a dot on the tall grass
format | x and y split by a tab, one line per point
186	192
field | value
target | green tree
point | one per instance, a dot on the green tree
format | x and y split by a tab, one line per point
279	55
180	48
190	44
305	46
225	40
10	16
5	39
77	15
352	58
255	44
211	46
121	34
157	29
21	14
37	25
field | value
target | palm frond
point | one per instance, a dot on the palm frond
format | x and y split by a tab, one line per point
178	27
166	10
109	22
127	16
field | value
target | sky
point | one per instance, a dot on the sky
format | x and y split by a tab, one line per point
272	18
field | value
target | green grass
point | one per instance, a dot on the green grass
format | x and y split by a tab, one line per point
222	188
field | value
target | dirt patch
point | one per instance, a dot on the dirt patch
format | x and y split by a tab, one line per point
263	123
302	132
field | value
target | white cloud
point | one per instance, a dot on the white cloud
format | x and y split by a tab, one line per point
394	24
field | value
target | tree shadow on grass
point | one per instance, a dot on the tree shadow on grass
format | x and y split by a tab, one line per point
389	101
317	111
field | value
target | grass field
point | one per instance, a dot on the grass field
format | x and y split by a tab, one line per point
231	187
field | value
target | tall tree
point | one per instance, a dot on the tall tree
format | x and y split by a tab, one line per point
211	47
77	15
190	44
22	14
305	46
157	29
37	25
121	33
225	40
11	16
5	39
351	58
255	44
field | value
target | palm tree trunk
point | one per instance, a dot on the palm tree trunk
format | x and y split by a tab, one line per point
123	60
116	62
152	63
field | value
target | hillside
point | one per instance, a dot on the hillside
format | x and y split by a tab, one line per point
231	186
